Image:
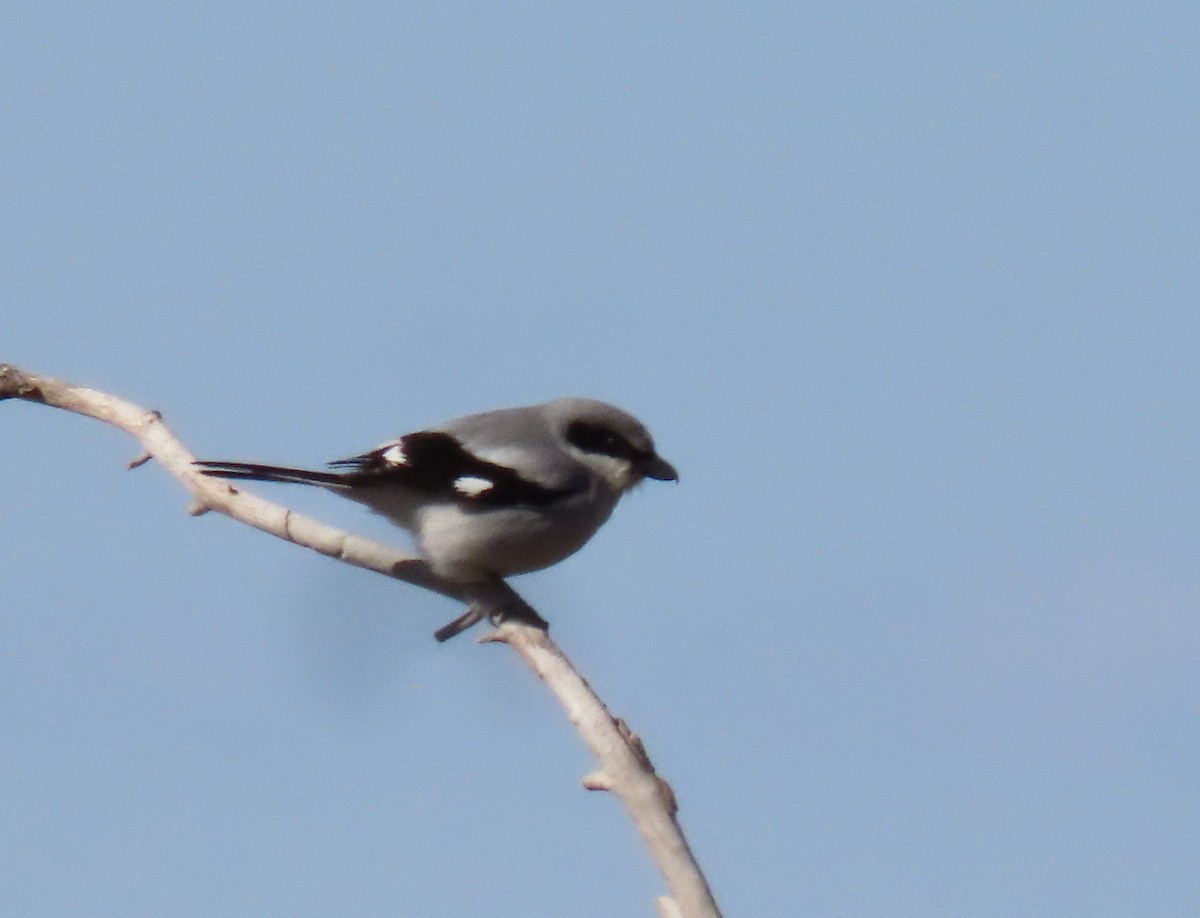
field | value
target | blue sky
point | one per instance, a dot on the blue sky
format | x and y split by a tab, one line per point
908	294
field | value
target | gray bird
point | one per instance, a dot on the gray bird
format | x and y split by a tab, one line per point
495	494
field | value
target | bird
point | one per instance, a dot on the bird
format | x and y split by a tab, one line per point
496	494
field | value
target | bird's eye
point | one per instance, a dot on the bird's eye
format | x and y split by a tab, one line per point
595	439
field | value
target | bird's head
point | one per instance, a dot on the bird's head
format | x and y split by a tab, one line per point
611	442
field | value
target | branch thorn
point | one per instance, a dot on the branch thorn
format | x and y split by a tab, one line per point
598	780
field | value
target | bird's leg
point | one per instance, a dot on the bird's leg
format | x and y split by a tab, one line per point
515	609
518	611
475	613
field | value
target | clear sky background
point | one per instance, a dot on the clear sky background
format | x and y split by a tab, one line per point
908	292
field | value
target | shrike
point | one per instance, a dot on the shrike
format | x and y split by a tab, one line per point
495	494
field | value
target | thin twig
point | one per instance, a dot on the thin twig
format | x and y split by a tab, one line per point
625	769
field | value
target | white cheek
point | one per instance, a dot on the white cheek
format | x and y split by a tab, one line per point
616	473
472	486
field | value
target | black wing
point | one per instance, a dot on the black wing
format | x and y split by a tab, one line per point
437	464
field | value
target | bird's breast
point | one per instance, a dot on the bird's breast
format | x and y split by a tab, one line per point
467	544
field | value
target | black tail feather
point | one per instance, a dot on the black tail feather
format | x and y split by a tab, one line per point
250	471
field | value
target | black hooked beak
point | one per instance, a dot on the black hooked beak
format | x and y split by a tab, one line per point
659	469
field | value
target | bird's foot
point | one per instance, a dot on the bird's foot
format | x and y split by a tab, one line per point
517	611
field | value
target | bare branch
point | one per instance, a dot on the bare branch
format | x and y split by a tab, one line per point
625	769
214	494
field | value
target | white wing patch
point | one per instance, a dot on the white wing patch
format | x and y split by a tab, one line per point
472	485
394	455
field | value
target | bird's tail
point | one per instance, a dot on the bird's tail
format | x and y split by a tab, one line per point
250	471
